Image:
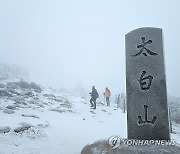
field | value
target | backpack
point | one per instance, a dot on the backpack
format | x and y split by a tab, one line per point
97	95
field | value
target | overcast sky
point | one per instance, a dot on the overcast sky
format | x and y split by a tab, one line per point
67	42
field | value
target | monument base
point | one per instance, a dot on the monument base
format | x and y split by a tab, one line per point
102	147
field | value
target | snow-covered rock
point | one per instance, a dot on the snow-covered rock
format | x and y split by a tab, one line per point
8	111
24	126
5	129
102	147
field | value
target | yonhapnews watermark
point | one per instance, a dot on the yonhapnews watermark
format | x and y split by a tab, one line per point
116	141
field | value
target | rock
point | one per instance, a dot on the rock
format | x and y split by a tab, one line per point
33	101
103	110
4	93
12	85
8	111
30	94
23	84
43	125
71	111
57	110
2	85
37	91
66	105
16	85
92	112
56	99
12	107
102	147
20	103
18	100
25	126
33	116
13	92
40	105
35	87
4	129
49	95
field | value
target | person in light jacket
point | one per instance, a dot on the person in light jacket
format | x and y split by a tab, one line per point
107	95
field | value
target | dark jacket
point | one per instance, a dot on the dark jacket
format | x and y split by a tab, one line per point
94	94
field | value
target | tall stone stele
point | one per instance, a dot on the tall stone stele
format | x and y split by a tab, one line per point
147	111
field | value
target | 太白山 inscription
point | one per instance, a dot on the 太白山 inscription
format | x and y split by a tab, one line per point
145	81
142	47
146	121
147	111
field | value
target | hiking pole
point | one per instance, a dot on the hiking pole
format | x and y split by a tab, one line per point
104	99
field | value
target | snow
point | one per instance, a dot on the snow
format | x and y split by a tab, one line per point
53	132
58	122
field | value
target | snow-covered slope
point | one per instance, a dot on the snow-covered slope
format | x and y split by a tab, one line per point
46	121
37	120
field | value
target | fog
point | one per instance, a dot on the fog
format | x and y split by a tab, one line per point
64	43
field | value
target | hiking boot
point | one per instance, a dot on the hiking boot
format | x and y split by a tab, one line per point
94	106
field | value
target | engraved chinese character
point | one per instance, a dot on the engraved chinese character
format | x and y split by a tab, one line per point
145	82
142	47
146	121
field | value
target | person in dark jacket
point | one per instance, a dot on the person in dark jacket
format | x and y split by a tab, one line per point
94	96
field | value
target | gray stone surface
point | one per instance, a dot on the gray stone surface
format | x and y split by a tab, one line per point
8	111
4	129
147	112
57	110
102	147
12	107
2	85
24	126
35	87
4	93
33	116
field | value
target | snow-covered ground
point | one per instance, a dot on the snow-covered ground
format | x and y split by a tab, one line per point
61	123
35	120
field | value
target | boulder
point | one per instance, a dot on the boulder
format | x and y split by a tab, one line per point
102	147
2	85
12	107
33	116
4	129
35	87
8	111
4	93
25	126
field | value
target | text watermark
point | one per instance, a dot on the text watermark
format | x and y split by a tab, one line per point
116	141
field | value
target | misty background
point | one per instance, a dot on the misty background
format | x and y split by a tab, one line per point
66	43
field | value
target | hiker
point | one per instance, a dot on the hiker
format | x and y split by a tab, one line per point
107	95
118	101
94	96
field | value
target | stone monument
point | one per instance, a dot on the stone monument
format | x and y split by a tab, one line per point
147	111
